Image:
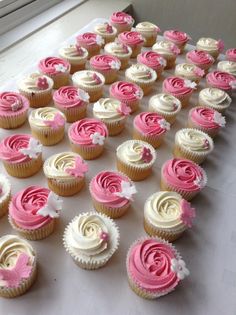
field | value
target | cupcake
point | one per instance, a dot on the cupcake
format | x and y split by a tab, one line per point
211	46
141	75
167	215
192	144
75	55
128	93
153	60
91	239
113	113
91	82
227	66
47	124
180	88
149	31
122	51
112	193
154	267
33	212
189	71
65	173
214	98
200	58
106	31
17	266
5	194
37	88
150	127
167	50
72	102
180	39
121	21
57	69
87	137
135	158
21	155
134	40
221	80
206	119
183	176
91	42
166	105
231	54
13	110
107	65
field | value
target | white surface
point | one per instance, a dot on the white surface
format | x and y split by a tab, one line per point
209	248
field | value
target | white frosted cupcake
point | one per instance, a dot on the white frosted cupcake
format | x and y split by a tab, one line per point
167	50
166	105
167	215
5	194
113	113
37	88
122	51
211	46
106	31
17	266
192	144
149	31
75	55
141	75
47	125
214	98
91	239
65	173
227	66
189	71
135	158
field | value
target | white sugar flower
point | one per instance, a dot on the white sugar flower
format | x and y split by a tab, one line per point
99	40
60	68
127	190
233	84
219	119
138	94
199	181
162	62
179	267
52	207
97	138
164	124
16	106
190	84
82	95
33	149
115	65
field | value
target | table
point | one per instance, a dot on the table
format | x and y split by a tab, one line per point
209	248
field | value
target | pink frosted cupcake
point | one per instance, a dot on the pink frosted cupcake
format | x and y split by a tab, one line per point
152	60
107	31
180	88
121	21
134	40
112	193
90	41
21	155
167	50
87	137
13	110
75	55
32	212
150	127
154	267
149	31
72	102
200	58
221	80
206	119
231	54
128	93
178	38
183	176
119	50
107	65
56	68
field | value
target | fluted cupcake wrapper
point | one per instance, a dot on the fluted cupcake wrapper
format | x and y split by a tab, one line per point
108	38
23	286
146	87
184	99
114	127
92	49
154	140
48	136
38	99
136	49
13	121
168	116
170	61
212	132
4	205
87	152
113	213
149	40
74	113
66	187
204	67
122	27
33	235
95	92
60	79
135	173
219	108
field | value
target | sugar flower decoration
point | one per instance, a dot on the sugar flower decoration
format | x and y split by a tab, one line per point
190	84
178	266
219	119
82	95
16	106
128	19
33	150
233	84
80	50
114	64
52	207
57	122
104	236
109	28
99	40
125	48
206	144
162	61
127	190
220	45
79	169
157	29
187	214
97	138
42	83
96	78
11	278
124	109
138	94
200	182
60	68
175	106
199	72
175	50
164	124
146	155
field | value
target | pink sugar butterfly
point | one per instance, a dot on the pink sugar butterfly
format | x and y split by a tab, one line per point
79	169
57	122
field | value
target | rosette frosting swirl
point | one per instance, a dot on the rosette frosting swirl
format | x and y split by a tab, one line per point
107	109
166	103
147	28
214	96
131	38
208	44
104	62
194	140
231	54
141	72
121	18
118	49
227	66
72	51
199	57
88	78
68	97
176	86
126	91
165	48
11	102
151	59
49	65
149	123
88	39
188	71
220	79
40	116
176	36
205	117
105	29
